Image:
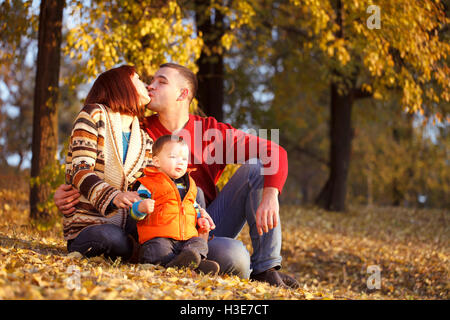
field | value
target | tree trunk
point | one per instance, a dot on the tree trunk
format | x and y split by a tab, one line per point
369	188
402	133
333	195
210	64
45	121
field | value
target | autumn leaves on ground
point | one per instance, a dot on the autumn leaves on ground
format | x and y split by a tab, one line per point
332	255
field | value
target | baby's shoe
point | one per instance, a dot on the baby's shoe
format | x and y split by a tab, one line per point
209	266
185	259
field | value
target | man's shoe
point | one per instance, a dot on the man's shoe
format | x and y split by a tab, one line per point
185	259
270	276
289	281
209	267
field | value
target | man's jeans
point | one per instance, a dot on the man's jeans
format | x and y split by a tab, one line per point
235	205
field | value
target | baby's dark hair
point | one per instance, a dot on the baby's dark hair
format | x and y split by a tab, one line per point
161	141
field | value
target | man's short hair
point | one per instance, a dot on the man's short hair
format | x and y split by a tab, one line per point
163	140
187	74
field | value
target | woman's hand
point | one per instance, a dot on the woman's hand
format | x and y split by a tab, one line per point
65	198
126	199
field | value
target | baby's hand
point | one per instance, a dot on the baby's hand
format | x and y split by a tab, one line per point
203	225
146	206
206	216
203	228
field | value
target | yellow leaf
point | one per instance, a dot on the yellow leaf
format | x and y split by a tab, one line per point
227	295
309	296
37	279
247	296
260	289
111	295
75	255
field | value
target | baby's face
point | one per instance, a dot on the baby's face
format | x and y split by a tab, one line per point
172	159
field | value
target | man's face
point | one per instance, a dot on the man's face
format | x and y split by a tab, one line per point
164	89
172	159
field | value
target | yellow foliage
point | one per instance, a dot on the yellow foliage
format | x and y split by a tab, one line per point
327	253
140	35
418	53
230	169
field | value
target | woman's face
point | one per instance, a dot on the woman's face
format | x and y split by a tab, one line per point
141	89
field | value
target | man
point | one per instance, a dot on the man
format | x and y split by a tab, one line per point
250	196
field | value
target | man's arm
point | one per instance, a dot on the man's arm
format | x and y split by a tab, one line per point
239	146
267	213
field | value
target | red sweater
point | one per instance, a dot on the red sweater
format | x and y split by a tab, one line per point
213	145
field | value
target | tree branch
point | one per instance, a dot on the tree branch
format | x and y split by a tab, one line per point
359	93
311	154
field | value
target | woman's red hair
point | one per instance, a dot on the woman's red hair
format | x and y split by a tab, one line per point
115	89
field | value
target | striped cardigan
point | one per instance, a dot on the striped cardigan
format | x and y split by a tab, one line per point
94	166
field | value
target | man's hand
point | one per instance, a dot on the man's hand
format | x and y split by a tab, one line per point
126	199
66	197
268	210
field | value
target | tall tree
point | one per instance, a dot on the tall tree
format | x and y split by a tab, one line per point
369	58
45	124
398	158
210	26
359	58
17	35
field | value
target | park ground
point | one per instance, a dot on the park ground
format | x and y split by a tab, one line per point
365	253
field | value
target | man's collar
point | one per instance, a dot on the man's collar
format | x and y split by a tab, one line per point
177	130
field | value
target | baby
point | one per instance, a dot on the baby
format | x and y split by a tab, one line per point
171	227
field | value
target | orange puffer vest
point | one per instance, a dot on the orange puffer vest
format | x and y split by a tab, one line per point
171	218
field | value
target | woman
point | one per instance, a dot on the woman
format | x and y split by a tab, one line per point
107	153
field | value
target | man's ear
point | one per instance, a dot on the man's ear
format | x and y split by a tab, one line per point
184	94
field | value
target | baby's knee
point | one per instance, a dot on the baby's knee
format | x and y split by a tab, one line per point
156	251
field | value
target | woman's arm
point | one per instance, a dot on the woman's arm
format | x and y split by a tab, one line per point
82	157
